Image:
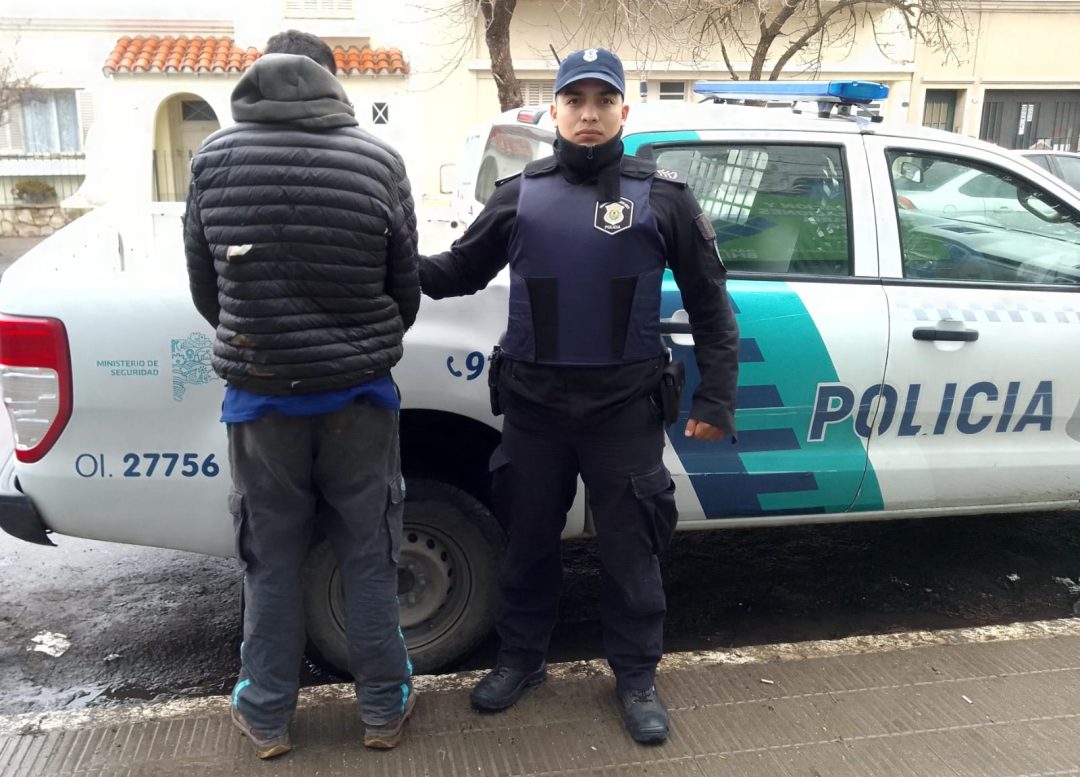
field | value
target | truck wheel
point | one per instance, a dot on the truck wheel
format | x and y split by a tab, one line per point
447	581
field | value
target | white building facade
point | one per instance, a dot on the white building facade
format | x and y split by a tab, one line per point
129	88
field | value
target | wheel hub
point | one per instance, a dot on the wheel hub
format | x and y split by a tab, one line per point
432	581
425	576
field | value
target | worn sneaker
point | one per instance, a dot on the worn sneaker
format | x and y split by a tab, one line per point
387	736
502	686
268	744
645	716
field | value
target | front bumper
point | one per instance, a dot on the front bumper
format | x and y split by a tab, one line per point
18	516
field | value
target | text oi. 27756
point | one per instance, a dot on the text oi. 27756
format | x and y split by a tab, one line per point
148	465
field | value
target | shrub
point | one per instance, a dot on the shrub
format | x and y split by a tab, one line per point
33	191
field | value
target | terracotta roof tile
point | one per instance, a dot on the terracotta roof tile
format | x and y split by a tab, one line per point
182	54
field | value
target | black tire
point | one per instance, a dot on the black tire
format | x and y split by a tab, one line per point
447	581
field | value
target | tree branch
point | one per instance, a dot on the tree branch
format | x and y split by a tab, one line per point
14	88
813	29
727	62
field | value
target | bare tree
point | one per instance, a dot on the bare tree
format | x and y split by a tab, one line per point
14	88
753	38
759	37
497	17
467	16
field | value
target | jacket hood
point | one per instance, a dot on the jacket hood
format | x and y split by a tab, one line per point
292	89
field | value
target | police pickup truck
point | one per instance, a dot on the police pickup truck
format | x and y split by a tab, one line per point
900	357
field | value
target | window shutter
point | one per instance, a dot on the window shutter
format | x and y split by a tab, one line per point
320	9
538	92
86	112
11	131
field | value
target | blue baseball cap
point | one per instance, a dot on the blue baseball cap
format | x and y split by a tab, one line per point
600	64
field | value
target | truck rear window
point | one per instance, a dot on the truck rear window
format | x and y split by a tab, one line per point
507	151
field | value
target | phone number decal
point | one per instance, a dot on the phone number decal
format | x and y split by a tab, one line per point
148	465
474	364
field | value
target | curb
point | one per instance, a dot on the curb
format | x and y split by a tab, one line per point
33	723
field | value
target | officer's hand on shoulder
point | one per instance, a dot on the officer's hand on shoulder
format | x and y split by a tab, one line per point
700	430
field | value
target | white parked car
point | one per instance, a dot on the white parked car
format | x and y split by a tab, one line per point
960	193
1063	164
896	361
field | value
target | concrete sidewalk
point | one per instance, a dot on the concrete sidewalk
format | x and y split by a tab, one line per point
994	701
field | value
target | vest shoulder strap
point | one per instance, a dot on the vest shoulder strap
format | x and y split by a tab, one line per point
636	167
540	167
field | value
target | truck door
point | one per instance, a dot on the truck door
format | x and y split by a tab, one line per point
795	229
981	395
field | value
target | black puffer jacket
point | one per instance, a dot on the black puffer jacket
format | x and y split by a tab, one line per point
300	237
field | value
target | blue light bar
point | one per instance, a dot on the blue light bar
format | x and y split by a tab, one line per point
851	92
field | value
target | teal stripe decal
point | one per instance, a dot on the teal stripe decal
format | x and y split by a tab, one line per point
632	143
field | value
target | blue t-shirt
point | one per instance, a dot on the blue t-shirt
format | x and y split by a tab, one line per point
240	406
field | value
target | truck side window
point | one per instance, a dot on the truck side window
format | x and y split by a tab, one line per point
775	208
964	220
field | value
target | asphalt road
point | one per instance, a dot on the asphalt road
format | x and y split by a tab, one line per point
11	248
145	623
140	622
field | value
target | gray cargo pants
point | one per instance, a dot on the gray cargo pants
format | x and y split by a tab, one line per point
340	472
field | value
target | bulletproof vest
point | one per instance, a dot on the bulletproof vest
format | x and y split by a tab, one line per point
585	277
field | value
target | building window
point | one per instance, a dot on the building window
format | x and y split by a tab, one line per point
319	9
380	113
50	122
196	110
537	92
673	90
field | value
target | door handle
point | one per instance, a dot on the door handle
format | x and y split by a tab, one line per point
669	326
950	335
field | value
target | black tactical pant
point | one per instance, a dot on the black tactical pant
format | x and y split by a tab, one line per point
618	453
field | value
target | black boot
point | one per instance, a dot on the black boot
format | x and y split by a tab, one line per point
645	716
502	686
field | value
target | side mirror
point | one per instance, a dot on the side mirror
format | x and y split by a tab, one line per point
1040	208
911	172
448	178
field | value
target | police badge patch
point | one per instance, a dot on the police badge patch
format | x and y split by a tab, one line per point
613	217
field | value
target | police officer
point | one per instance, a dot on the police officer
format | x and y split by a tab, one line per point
587	233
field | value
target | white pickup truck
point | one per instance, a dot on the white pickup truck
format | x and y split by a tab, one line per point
899	358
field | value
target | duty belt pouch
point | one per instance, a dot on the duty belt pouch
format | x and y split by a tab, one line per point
671	386
495	363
